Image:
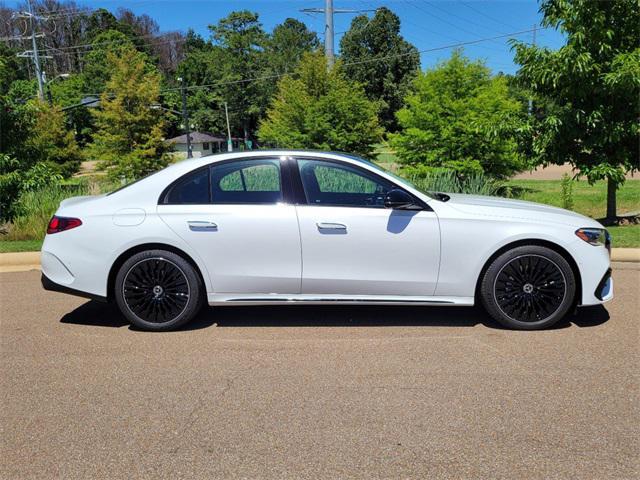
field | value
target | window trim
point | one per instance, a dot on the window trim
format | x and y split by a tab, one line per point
284	181
301	195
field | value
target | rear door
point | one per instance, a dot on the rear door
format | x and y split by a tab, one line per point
234	215
352	244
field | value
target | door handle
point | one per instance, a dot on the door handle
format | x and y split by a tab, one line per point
201	226
331	226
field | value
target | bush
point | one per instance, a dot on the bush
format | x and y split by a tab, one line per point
567	192
14	181
35	208
449	181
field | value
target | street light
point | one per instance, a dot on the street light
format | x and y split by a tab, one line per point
48	82
157	106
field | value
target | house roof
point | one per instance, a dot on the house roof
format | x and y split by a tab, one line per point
196	137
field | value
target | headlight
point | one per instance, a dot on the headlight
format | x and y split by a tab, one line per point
594	236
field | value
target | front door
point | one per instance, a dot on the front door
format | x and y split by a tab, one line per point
353	245
233	214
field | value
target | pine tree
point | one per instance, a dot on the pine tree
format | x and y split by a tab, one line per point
49	141
129	139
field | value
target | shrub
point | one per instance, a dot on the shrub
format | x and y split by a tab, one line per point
35	208
567	192
449	181
14	181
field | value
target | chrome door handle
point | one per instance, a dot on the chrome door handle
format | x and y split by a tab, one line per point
201	226
331	226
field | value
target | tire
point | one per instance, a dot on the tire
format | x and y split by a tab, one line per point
528	288
158	290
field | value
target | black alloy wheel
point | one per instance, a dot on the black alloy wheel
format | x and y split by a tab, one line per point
529	287
158	290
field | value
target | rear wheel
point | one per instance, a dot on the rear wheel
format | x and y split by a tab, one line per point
528	288
158	290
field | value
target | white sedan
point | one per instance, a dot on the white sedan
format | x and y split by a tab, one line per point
284	227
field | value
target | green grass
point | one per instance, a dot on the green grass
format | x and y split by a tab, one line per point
590	200
20	245
36	208
625	237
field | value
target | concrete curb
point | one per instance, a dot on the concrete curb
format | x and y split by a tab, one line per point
23	261
19	261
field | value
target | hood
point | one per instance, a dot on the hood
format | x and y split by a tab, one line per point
503	207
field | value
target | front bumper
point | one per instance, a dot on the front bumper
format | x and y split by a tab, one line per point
604	290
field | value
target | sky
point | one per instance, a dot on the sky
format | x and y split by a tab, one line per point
427	24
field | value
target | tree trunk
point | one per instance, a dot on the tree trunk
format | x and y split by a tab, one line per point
612	187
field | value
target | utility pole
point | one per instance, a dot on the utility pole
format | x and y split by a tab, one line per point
36	58
34	54
185	116
329	33
229	141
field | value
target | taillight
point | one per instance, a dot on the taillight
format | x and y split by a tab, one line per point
60	224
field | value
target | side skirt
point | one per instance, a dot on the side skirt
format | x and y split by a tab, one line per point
289	299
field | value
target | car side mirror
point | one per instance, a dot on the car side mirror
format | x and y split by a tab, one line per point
398	199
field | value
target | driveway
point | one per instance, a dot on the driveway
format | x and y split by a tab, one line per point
310	392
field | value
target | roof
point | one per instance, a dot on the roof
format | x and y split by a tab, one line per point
196	137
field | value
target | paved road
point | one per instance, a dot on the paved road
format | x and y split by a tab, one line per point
332	392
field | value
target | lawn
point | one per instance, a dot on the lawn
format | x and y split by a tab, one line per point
20	246
625	237
590	200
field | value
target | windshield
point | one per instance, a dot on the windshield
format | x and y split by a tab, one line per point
400	179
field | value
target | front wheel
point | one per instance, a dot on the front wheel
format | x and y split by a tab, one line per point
528	288
158	290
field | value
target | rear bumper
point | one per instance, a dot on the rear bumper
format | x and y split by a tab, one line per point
52	286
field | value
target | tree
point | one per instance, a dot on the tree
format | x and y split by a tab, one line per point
459	117
321	109
375	54
129	139
12	73
240	40
96	70
286	45
591	86
48	141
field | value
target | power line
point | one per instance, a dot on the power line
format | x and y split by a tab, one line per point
108	42
370	60
444	10
329	33
444	20
480	12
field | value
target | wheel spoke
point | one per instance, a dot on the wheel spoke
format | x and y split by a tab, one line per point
529	288
156	290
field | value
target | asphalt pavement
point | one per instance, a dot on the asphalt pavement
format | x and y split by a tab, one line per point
316	392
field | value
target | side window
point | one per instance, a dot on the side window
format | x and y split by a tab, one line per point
330	183
246	181
193	188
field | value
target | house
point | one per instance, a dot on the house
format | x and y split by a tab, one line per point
203	144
